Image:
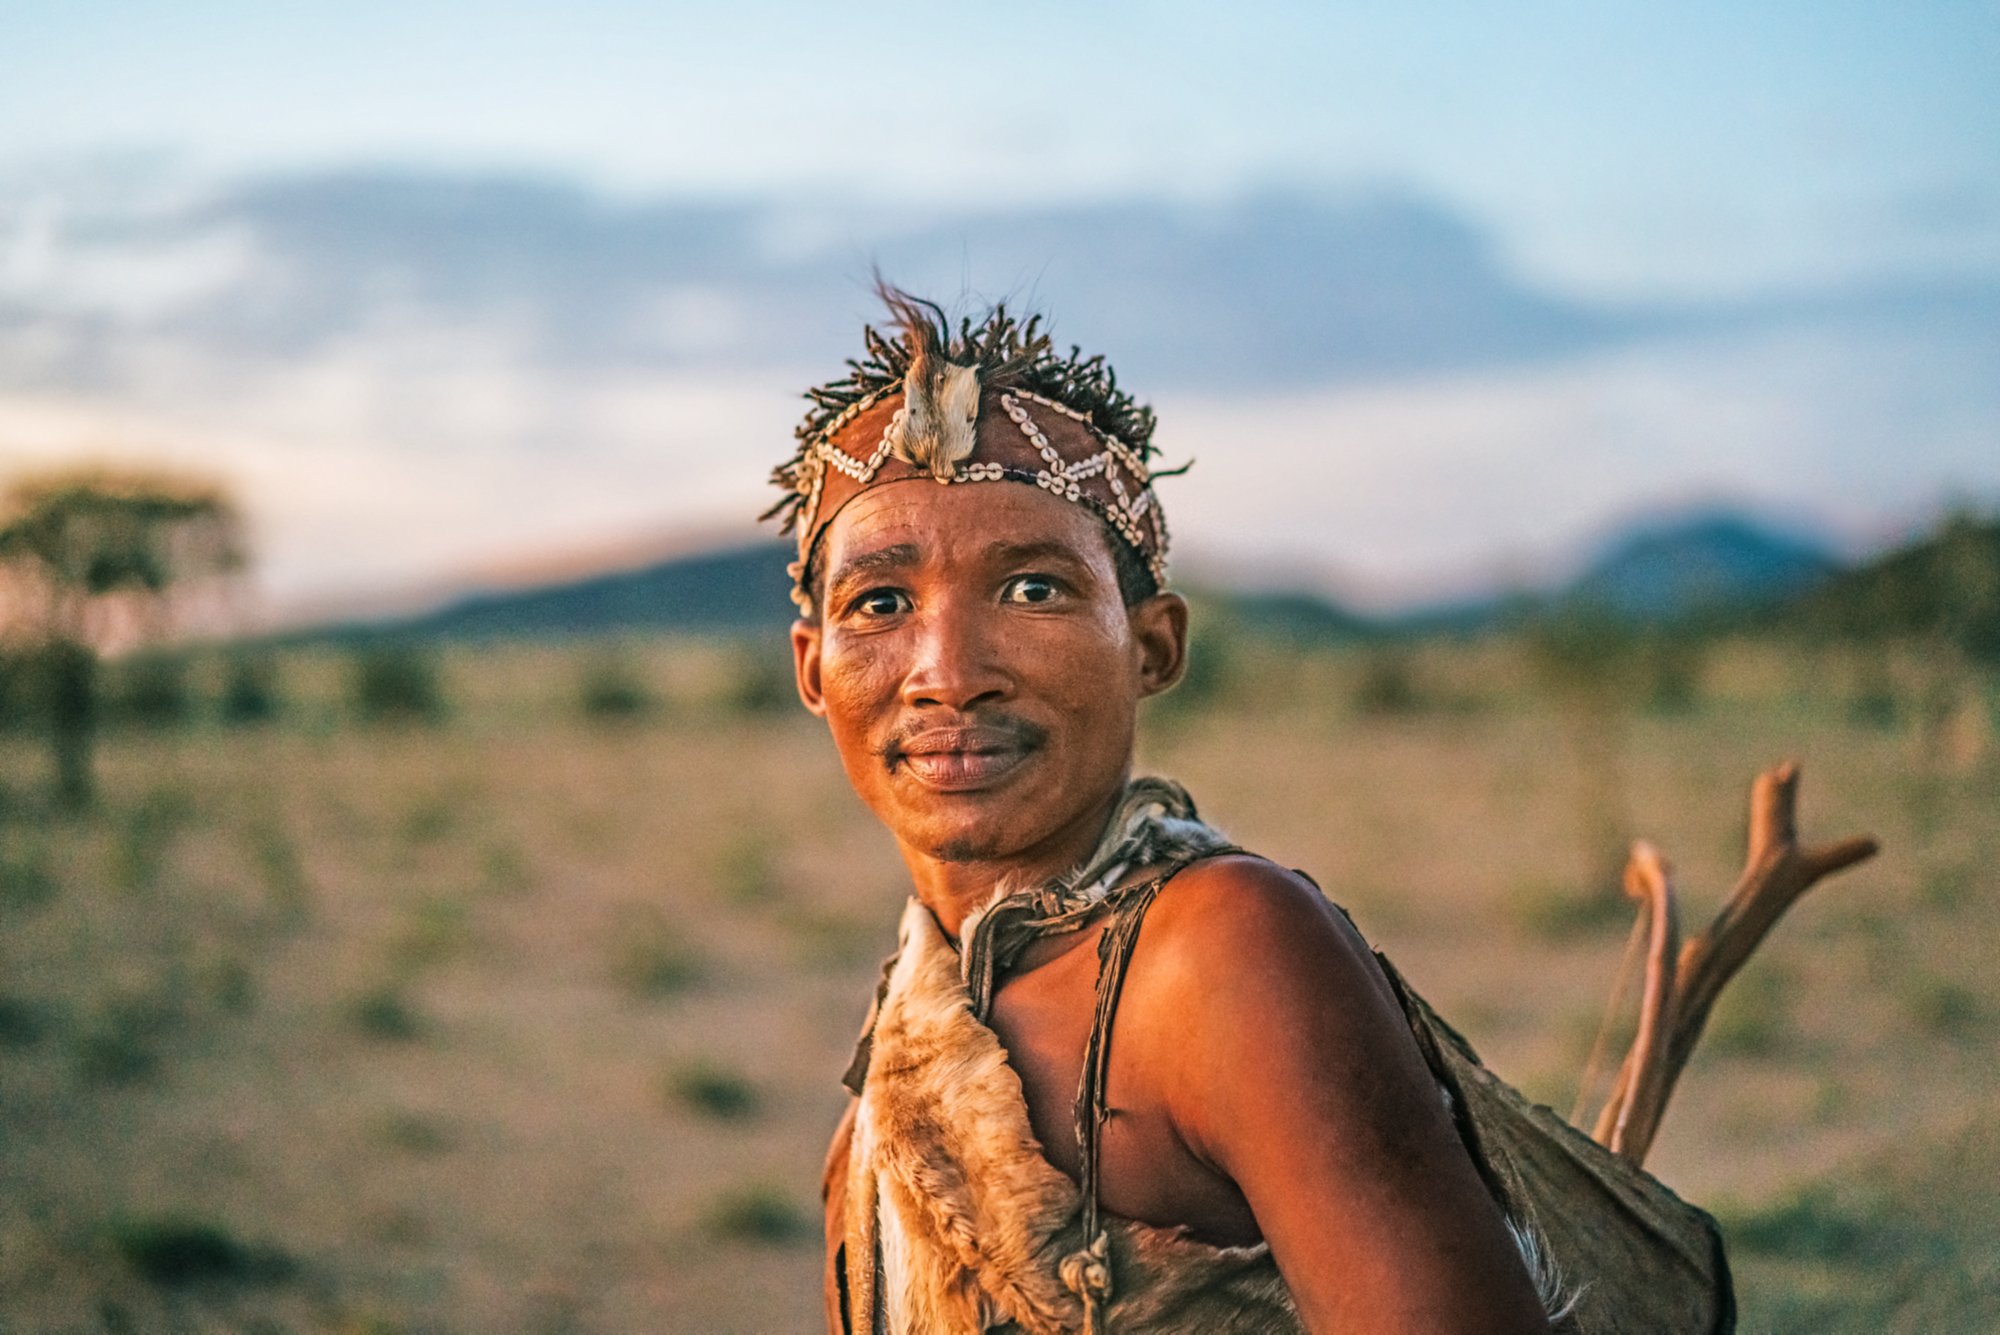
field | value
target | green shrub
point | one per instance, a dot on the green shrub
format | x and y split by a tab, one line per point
612	692
385	1012
23	1023
714	1091
25	879
173	1251
1809	1225
1943	1008
152	691
759	1213
119	1043
146	836
416	1134
228	982
1388	685
396	684
249	689
761	683
432	930
651	957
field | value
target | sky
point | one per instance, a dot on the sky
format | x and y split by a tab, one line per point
1701	156
1630	146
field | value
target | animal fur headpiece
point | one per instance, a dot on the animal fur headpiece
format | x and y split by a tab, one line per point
993	404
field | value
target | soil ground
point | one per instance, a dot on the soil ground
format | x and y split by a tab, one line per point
522	1020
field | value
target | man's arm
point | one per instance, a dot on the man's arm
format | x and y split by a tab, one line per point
1287	1065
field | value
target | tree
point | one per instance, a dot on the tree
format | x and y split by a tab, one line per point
100	559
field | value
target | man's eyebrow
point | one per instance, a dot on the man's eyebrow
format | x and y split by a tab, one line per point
1040	549
896	556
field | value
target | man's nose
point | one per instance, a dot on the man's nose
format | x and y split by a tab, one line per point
959	661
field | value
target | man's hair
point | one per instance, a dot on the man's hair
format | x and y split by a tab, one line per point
1008	352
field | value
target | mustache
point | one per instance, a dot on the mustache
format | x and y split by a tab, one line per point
984	732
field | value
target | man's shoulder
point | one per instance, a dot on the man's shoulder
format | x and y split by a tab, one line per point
1236	914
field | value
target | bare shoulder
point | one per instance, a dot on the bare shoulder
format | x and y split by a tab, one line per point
1262	1003
1239	924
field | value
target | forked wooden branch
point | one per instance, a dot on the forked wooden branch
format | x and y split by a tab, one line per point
1776	872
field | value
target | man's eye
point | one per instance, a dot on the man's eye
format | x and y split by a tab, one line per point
881	603
1031	589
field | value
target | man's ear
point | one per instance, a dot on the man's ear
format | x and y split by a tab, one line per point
805	665
1160	625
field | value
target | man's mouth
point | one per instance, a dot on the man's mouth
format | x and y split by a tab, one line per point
962	758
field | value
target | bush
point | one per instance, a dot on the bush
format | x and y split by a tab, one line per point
25	879
1388	685
714	1091
1809	1225
1944	1009
17	687
173	1251
385	1012
759	1213
416	1134
152	691
761	683
396	683
119	1044
650	956
23	1023
612	692
249	689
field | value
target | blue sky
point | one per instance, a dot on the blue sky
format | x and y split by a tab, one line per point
1619	147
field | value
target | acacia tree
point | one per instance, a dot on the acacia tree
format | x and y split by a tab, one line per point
98	559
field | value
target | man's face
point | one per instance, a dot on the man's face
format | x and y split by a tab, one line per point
977	667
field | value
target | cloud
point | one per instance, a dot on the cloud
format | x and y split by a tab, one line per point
410	374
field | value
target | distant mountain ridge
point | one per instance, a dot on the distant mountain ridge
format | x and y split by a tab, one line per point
1713	559
1649	571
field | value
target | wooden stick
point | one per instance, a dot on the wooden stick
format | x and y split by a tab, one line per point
1647	882
1775	873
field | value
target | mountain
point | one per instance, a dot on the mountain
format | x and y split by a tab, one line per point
1651	572
730	591
1705	561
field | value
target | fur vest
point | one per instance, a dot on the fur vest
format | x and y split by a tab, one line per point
955	1221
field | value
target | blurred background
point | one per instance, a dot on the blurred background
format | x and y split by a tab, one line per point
423	905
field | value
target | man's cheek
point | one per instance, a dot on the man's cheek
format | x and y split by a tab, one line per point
857	678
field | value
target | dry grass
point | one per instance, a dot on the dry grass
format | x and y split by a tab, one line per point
521	1022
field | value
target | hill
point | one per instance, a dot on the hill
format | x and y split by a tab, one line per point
731	590
1653	572
1945	586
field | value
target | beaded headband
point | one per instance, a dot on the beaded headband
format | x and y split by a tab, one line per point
992	405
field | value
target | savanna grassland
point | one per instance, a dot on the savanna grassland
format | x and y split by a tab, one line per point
522	1006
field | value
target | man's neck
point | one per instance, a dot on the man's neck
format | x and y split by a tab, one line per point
953	890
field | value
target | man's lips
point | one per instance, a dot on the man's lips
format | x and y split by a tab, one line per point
961	759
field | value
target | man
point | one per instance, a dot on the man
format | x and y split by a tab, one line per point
1120	1075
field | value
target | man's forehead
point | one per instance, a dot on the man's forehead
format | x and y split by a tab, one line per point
911	523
